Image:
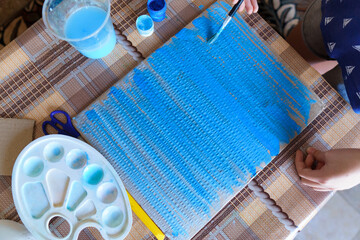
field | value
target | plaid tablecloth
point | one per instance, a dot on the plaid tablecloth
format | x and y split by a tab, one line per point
39	74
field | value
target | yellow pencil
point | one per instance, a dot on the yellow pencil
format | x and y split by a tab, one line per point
149	223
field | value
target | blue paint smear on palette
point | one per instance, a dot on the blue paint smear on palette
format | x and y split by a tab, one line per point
187	129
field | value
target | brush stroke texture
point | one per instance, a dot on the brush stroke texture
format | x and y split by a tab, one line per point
187	128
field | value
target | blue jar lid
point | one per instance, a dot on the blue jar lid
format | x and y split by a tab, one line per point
145	25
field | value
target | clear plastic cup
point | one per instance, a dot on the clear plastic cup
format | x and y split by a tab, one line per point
86	25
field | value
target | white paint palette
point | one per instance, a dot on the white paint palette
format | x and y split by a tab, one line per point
59	176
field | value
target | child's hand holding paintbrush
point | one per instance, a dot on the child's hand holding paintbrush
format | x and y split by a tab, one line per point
251	6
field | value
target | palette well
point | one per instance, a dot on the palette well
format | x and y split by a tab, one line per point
59	176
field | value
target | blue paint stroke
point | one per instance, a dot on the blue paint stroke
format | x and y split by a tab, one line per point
187	129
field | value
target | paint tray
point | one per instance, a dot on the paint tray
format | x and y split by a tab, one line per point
192	124
56	177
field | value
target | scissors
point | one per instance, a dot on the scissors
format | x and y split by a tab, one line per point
66	128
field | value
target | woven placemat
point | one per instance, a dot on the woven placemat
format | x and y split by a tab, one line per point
39	74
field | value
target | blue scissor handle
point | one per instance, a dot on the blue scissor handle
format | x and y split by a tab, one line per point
62	128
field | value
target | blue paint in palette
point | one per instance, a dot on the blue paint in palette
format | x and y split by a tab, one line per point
187	129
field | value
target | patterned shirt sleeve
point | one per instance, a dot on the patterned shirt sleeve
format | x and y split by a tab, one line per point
340	28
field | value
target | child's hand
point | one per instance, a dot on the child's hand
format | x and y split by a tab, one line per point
336	169
250	5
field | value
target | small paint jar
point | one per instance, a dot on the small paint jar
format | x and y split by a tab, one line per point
145	25
157	9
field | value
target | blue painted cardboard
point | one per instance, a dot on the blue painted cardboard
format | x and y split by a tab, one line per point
191	125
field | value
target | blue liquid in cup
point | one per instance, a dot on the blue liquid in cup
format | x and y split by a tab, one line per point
157	9
85	22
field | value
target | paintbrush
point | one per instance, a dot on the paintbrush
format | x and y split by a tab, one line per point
227	20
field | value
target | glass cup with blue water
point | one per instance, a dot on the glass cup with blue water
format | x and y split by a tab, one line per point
85	24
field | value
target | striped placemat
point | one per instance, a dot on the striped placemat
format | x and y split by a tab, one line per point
39	74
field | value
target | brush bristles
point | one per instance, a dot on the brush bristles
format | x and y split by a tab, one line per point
213	38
